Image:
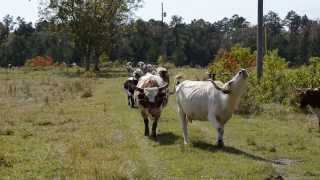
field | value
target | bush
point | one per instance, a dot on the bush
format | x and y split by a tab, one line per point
104	58
118	63
227	63
278	83
273	83
40	61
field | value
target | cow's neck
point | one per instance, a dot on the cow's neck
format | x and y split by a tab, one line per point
231	102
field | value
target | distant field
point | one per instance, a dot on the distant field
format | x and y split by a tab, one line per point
55	124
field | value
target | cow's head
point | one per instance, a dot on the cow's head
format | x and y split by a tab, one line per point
137	73
238	84
140	64
152	92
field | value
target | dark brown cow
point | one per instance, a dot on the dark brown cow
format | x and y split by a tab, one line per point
310	97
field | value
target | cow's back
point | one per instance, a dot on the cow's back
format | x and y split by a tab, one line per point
193	98
315	100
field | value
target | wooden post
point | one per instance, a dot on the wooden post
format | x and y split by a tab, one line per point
260	41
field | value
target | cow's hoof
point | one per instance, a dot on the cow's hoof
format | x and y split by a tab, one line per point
154	137
220	144
146	133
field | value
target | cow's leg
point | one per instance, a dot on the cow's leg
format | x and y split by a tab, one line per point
184	124
220	137
146	127
220	129
132	101
146	123
154	128
155	113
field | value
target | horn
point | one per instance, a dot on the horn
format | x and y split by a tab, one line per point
226	91
300	90
164	86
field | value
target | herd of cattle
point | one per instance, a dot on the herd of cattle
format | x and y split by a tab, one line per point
148	89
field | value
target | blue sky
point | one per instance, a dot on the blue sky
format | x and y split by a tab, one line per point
210	10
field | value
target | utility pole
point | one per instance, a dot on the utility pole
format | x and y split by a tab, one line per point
163	45
260	41
162	13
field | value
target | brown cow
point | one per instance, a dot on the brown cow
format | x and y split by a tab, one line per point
150	95
310	97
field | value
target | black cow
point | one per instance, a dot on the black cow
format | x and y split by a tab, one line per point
129	86
310	97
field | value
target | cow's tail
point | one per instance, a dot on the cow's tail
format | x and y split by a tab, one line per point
177	80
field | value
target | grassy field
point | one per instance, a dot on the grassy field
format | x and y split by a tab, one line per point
57	125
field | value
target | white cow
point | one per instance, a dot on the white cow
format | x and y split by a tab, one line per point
141	64
205	100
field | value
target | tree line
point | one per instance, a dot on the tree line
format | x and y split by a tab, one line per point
83	31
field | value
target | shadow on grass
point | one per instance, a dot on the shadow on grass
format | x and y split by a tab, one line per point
167	138
231	150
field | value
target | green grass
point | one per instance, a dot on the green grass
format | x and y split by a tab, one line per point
49	130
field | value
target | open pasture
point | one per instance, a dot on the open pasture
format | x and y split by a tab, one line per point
58	125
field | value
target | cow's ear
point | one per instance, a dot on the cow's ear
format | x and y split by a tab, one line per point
228	86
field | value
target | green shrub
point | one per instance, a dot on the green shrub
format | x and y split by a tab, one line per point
278	84
227	63
118	63
104	58
274	79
